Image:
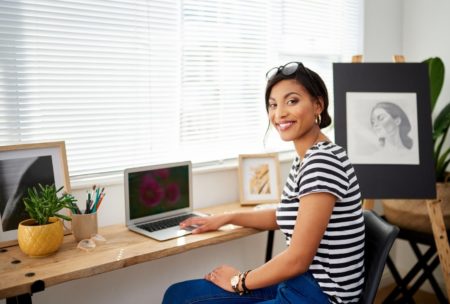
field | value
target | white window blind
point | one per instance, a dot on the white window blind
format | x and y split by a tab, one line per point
128	83
224	57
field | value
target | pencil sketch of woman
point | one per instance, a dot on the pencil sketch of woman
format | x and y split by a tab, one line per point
392	127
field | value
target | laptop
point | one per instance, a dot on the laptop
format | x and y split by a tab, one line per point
158	198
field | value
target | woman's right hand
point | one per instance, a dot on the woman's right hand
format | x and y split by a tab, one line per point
204	224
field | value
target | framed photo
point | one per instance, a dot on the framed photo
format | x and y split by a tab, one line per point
383	120
259	178
21	167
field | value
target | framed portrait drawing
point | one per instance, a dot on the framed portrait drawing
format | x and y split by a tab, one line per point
383	120
259	178
23	166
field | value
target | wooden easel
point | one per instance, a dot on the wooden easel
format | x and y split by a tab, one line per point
434	212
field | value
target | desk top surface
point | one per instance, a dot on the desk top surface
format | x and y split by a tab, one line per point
122	248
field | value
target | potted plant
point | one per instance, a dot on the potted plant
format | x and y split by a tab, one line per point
441	123
43	233
401	212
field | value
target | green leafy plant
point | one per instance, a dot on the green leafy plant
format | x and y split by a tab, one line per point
44	202
441	123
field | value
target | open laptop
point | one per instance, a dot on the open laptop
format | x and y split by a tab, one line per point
158	198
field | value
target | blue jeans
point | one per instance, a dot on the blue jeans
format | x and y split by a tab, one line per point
299	290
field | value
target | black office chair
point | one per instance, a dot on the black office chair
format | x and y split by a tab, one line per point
380	236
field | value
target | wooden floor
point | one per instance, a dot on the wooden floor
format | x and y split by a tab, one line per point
419	297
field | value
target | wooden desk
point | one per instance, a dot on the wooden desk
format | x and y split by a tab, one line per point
22	275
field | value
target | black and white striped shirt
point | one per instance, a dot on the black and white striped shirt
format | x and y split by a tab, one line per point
338	265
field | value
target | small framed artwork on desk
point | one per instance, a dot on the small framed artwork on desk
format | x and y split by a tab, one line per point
23	166
259	178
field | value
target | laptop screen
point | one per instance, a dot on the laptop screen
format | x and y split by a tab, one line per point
158	190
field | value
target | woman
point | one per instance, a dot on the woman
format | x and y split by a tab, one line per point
319	213
391	125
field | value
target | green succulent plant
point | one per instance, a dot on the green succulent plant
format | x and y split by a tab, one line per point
441	123
44	202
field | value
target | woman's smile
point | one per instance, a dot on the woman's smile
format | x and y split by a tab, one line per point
284	125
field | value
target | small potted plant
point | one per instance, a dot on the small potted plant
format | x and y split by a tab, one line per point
43	233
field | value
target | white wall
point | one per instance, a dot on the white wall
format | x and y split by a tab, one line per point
426	34
382	30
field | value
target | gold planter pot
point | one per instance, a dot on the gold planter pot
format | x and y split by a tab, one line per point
40	240
413	214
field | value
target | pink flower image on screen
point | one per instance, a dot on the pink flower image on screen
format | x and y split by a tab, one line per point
163	173
172	193
150	191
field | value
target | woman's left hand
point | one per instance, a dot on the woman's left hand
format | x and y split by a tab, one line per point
221	276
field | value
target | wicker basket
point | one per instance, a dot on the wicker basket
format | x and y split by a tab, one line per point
413	214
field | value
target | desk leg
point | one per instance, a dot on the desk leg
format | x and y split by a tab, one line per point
37	286
21	299
269	247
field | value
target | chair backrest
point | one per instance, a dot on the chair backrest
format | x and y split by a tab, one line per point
380	237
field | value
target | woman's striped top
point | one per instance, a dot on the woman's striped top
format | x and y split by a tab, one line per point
338	265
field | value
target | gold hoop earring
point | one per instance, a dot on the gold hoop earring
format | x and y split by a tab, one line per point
318	119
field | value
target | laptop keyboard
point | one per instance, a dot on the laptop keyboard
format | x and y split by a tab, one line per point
165	223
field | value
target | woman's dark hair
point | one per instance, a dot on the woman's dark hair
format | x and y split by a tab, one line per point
404	127
312	82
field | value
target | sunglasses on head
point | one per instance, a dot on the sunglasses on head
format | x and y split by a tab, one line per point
289	69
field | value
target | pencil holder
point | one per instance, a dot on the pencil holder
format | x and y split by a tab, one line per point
84	226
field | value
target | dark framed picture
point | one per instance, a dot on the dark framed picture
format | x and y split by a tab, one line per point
24	166
383	120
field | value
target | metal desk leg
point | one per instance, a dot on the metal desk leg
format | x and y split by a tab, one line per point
21	299
269	247
37	286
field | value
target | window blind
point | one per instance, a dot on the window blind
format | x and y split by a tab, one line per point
224	56
129	83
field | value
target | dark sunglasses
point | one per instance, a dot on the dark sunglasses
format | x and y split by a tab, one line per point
289	69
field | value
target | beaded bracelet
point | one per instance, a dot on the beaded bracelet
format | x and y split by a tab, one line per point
237	290
244	287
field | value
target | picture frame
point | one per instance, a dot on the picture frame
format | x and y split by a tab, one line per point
23	166
259	178
383	119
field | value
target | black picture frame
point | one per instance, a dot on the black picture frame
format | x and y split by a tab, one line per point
388	176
